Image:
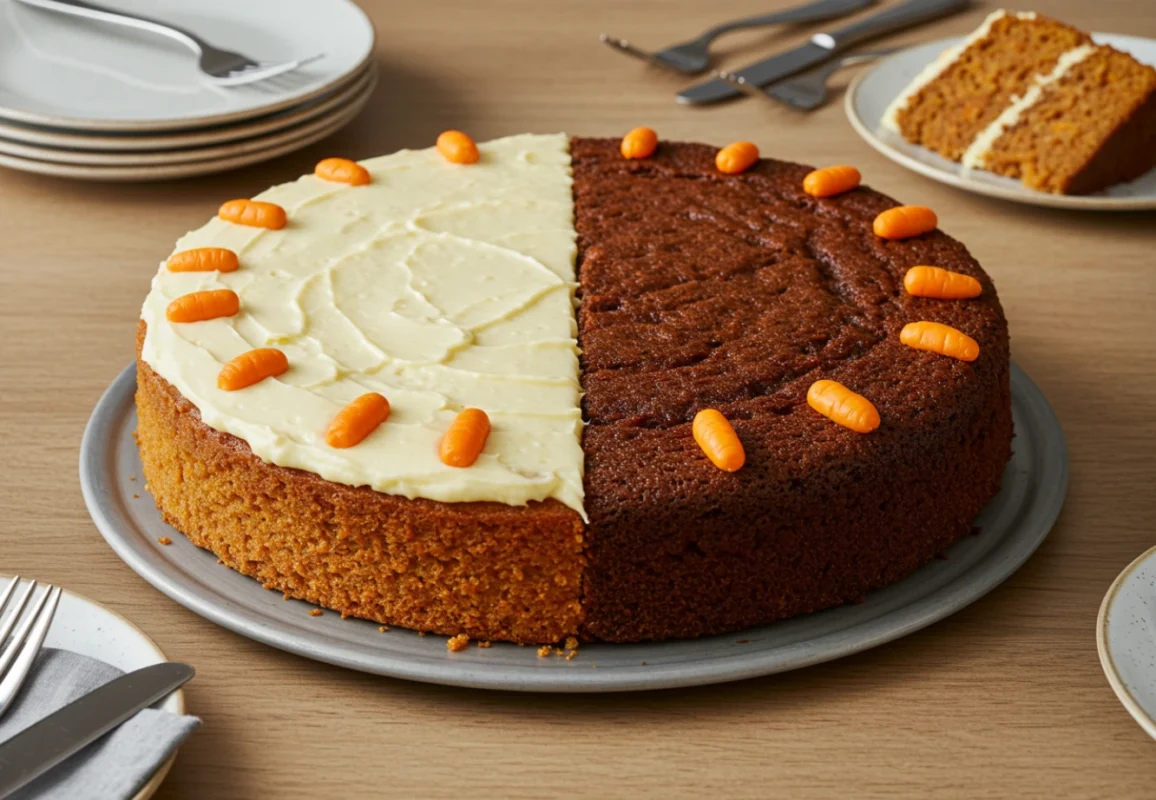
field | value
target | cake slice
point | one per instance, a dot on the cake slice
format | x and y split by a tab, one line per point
1035	99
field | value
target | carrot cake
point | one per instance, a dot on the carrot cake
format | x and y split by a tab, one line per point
1031	98
536	388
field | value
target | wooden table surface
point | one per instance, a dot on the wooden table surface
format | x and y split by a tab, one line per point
1004	699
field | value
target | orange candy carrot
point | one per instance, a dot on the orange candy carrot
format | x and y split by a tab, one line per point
940	283
838	403
203	259
357	420
254	213
465	438
737	157
639	143
252	367
341	170
200	306
830	181
718	440
457	147
942	339
904	222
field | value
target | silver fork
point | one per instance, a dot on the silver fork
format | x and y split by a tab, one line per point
694	56
809	90
222	67
18	652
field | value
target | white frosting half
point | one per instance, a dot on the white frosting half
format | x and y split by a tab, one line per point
976	154
441	286
939	65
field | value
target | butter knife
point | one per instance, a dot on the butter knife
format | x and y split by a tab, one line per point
41	746
822	47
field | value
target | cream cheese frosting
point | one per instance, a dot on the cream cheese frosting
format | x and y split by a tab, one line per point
441	286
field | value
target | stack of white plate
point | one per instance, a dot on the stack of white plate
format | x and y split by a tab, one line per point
91	100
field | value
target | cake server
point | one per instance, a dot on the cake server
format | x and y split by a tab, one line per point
809	90
822	47
41	746
693	56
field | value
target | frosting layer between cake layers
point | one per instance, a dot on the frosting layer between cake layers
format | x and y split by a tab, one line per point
441	286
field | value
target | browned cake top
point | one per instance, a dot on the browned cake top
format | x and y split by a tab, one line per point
700	290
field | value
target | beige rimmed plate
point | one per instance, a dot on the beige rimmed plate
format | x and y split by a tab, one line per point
872	91
170	171
1126	639
85	626
122	142
258	144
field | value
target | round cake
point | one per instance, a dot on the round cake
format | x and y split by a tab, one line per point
592	305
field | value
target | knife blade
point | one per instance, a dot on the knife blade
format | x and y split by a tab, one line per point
43	745
822	47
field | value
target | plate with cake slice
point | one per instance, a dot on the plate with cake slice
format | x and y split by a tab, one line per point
1025	108
646	404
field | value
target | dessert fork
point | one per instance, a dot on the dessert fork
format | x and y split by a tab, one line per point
809	90
693	56
18	653
222	67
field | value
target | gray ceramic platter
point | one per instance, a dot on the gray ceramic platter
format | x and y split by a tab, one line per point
1012	526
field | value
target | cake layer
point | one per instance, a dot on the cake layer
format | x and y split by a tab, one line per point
441	286
949	105
737	292
1089	124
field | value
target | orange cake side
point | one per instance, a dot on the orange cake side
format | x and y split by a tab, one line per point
1093	127
949	112
489	570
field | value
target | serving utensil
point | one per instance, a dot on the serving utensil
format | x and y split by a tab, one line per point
822	47
22	635
222	67
809	90
693	57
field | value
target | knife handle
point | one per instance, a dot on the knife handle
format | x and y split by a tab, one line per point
892	19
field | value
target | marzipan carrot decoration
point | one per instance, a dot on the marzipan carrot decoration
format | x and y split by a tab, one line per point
838	403
718	440
341	170
357	420
465	438
639	143
737	157
904	222
940	283
200	306
203	259
254	213
830	181
252	367
942	339
457	147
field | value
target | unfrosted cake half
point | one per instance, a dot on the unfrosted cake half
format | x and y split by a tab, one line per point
1031	98
715	398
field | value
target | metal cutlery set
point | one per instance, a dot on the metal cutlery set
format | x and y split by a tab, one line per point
824	54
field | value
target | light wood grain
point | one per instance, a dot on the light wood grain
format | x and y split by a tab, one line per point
1005	699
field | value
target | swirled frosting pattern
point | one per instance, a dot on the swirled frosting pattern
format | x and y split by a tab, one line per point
441	286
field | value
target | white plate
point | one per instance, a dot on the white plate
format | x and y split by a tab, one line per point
78	74
872	91
1126	639
123	174
1012	526
132	142
258	144
86	627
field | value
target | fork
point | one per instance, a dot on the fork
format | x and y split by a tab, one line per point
222	67
809	90
693	56
18	653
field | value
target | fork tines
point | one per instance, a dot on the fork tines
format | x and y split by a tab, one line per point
21	635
